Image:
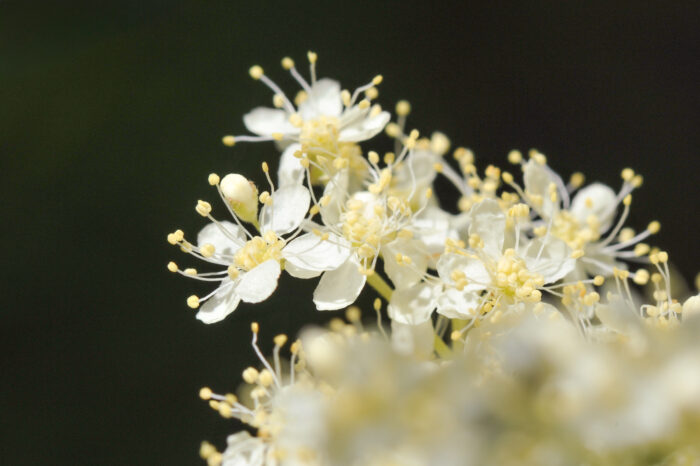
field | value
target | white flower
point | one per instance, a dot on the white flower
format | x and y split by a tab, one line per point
321	118
254	263
514	273
586	222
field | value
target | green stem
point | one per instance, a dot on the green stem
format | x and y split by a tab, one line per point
381	286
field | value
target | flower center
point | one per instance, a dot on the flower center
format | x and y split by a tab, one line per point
567	228
321	133
258	250
515	280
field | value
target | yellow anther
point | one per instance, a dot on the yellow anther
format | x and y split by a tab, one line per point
304	163
203	208
507	177
663	257
641	277
213	179
193	302
254	327
312	56
627	200
265	197
598	280
428	193
373	157
233	272
577	179
277	136
626	234
270	237
345	96
538	157
372	93
266	378
353	314
250	375
287	63
206	450
364	104
637	181
377	80
515	157
296	120
656	277
300	98
437	166
231	399
392	130
229	140
191	272
278	101
314	209
172	266
280	339
205	393
654	227
577	254
207	250
641	249
403	108
256	72
627	174
377	304
591	298
225	410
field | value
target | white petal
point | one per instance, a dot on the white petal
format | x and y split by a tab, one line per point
259	282
323	100
553	261
298	272
477	275
412	305
336	190
489	222
290	170
364	129
340	287
456	304
404	276
224	302
602	200
309	252
537	181
264	121
288	209
413	340
225	242
433	227
617	316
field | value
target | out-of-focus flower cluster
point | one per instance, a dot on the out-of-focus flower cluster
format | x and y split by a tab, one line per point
519	333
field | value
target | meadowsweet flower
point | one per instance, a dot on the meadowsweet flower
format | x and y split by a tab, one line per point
253	263
324	122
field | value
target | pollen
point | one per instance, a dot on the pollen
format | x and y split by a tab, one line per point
203	208
256	72
229	140
205	393
193	302
287	63
172	266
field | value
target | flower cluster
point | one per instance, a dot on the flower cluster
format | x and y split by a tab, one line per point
518	305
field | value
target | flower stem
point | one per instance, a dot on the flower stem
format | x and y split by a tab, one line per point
381	286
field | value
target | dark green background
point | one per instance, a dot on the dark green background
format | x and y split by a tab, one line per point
110	120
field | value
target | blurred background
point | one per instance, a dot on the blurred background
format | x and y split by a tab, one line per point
111	116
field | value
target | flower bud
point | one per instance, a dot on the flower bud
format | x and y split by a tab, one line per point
242	195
